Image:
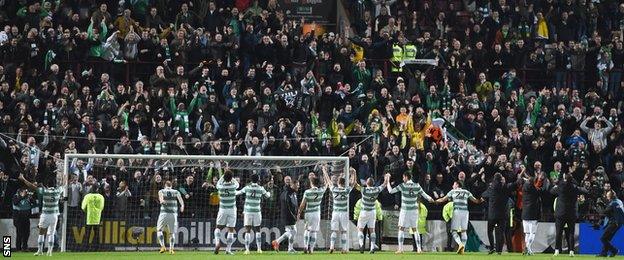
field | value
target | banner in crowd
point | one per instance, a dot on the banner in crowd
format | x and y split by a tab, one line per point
141	234
192	233
319	11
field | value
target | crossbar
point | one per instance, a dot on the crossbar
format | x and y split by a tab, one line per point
207	157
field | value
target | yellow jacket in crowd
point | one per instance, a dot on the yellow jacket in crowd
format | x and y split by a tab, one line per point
358	208
418	136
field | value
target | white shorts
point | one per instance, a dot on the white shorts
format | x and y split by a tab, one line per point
226	217
291	228
48	221
169	220
252	219
367	219
459	222
313	221
340	221
408	218
529	226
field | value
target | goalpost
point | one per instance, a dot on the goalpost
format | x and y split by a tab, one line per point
130	182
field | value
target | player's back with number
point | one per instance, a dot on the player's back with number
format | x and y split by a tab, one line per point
410	192
340	198
227	194
50	199
460	198
369	196
169	204
253	197
313	197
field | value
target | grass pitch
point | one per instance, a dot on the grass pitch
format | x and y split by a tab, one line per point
355	255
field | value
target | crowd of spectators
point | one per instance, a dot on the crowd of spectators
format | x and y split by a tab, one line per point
527	87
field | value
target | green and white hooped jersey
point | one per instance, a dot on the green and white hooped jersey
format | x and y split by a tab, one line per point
170	203
253	196
314	197
410	192
460	198
340	198
369	196
50	198
227	194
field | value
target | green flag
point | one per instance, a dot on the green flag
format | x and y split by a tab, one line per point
49	57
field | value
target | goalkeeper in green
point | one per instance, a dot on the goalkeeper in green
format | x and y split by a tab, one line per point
93	204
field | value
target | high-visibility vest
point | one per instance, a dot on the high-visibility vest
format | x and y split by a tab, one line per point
397	57
409	52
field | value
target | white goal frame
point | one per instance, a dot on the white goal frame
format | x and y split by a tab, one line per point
69	157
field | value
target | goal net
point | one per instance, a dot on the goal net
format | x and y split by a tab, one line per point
130	185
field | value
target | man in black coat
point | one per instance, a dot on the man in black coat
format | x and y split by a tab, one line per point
289	205
497	194
567	192
532	190
10	168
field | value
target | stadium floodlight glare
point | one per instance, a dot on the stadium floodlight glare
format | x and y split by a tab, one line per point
133	228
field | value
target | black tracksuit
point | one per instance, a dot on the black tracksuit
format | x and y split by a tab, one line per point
22	206
531	200
566	212
288	206
498	196
615	214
